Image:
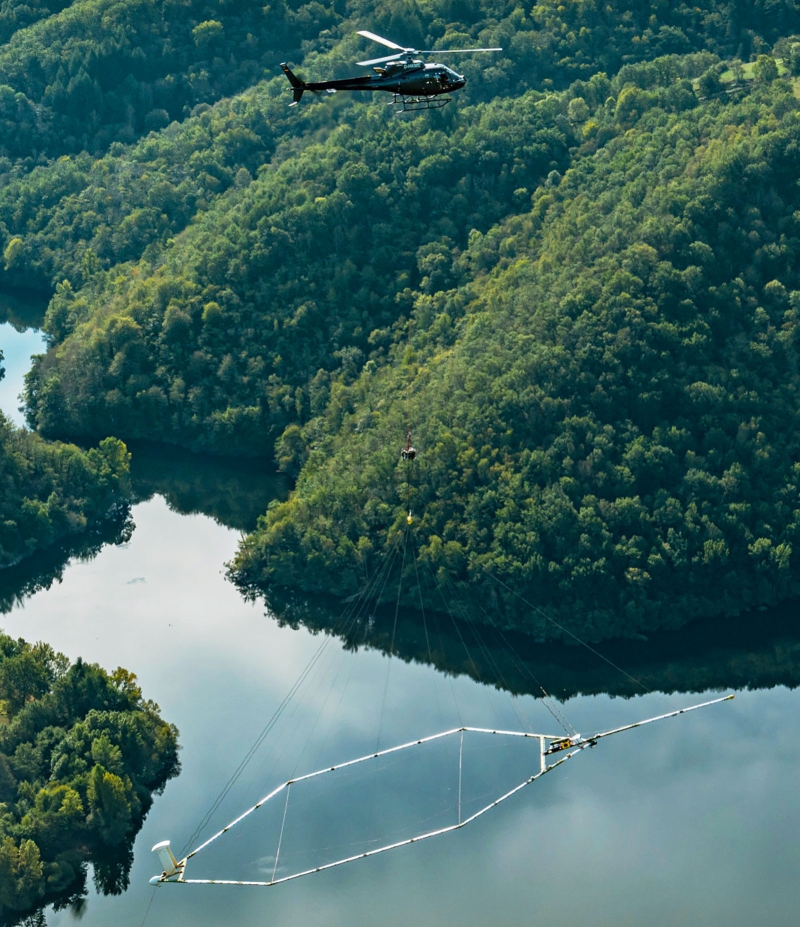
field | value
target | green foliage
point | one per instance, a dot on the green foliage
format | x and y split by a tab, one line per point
765	69
91	73
79	215
220	345
110	815
100	73
208	32
607	418
97	71
579	285
81	754
51	491
16	15
21	874
709	83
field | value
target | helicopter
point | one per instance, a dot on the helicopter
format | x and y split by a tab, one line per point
414	83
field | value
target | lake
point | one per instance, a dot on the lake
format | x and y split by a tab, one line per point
17	342
693	820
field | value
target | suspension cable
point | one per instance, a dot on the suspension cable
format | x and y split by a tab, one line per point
394	632
546	700
525	670
425	626
561	627
487	654
478	677
351	615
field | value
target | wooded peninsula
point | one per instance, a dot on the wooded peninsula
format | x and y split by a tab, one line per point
81	755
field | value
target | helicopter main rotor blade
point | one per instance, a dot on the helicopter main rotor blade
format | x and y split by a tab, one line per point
454	51
381	60
382	41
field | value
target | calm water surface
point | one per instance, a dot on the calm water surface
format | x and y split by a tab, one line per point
693	821
21	315
17	347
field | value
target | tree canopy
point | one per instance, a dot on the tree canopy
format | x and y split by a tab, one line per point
578	283
81	754
49	491
608	412
87	74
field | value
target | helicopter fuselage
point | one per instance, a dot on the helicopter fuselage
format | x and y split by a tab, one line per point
402	78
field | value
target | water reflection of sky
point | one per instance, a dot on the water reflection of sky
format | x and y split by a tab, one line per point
17	348
689	821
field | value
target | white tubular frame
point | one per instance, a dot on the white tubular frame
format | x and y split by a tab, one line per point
548	744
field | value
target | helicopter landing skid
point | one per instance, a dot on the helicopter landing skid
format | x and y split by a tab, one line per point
417	104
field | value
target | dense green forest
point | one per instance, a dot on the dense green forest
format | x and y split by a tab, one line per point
81	754
221	345
608	415
99	74
95	72
578	283
52	490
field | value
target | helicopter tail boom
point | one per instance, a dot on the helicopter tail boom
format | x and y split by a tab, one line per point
298	87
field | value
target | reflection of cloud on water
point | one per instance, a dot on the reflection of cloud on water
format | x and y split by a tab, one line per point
44	569
264	865
692	821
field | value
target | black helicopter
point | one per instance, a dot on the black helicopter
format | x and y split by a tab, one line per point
413	83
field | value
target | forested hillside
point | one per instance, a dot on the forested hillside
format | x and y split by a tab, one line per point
230	338
98	74
81	754
95	72
609	416
50	491
577	282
